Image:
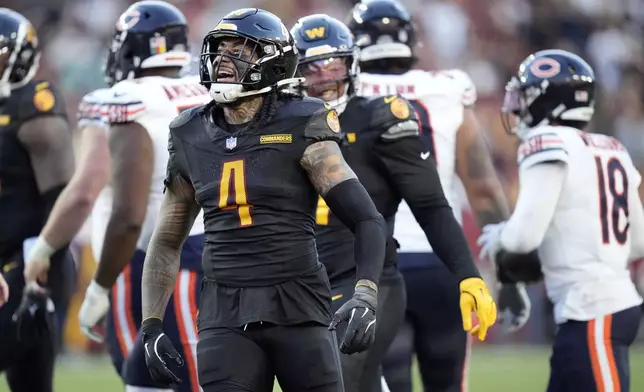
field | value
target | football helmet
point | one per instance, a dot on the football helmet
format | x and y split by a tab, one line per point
328	59
550	87
385	34
149	34
249	52
19	53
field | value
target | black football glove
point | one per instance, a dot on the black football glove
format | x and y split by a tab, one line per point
159	353
360	314
35	318
514	306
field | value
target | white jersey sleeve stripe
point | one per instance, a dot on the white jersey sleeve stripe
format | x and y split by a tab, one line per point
541	148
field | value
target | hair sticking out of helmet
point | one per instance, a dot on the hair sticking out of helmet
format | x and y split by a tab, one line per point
150	34
385	34
552	87
328	59
19	51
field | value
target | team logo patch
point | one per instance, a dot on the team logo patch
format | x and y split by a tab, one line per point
5	120
158	45
315	33
276	139
128	20
399	109
545	68
333	121
231	142
44	100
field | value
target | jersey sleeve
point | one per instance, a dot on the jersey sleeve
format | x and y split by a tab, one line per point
177	165
41	99
541	146
89	108
465	86
394	118
124	104
323	125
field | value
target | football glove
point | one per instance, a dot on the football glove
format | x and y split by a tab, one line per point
34	317
360	314
475	297
160	355
4	291
490	241
94	308
514	306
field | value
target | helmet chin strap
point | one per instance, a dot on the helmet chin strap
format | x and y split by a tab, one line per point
230	92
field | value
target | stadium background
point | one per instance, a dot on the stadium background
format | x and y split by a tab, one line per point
486	38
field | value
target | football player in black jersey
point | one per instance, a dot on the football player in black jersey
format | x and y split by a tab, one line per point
255	159
382	146
36	162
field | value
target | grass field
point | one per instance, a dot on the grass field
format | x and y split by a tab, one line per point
503	369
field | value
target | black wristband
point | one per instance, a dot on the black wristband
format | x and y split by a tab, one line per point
151	326
351	203
518	267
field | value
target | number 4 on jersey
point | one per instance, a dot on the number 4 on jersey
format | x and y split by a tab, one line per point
233	172
613	199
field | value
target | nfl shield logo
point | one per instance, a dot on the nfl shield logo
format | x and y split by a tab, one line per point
231	142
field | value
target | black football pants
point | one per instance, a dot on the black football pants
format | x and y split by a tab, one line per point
303	357
28	365
362	371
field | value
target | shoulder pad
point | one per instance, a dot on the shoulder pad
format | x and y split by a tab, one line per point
185	116
541	145
299	107
324	124
40	98
392	116
464	85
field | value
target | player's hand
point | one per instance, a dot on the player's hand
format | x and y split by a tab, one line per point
4	291
34	317
95	306
160	355
36	252
475	297
360	314
514	306
490	241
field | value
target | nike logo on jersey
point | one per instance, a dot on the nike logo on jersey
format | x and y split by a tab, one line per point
390	99
424	155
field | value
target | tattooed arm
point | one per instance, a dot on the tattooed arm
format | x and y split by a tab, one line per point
349	201
177	215
474	168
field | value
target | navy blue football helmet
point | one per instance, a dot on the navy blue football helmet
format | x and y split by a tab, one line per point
19	53
550	87
328	58
249	52
385	34
149	34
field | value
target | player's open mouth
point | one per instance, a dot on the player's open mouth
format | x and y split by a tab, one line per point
226	75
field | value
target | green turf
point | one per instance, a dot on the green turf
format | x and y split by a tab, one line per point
509	369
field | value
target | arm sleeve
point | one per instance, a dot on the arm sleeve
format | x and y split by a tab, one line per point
351	203
417	181
535	206
43	100
323	125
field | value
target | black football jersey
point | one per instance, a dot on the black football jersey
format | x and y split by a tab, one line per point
380	134
258	202
21	206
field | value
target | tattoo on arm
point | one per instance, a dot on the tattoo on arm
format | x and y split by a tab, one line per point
178	213
48	140
476	171
325	165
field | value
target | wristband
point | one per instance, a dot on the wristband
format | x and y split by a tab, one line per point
37	249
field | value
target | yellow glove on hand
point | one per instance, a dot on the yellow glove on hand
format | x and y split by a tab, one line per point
475	297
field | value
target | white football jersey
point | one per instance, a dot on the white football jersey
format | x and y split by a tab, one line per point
153	102
439	99
586	249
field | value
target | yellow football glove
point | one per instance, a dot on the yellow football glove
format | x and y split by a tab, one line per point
475	297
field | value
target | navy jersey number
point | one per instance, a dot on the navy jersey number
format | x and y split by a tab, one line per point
613	199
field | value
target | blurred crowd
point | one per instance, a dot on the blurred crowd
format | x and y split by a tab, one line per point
486	38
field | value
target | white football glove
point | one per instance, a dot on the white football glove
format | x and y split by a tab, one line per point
490	241
95	306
